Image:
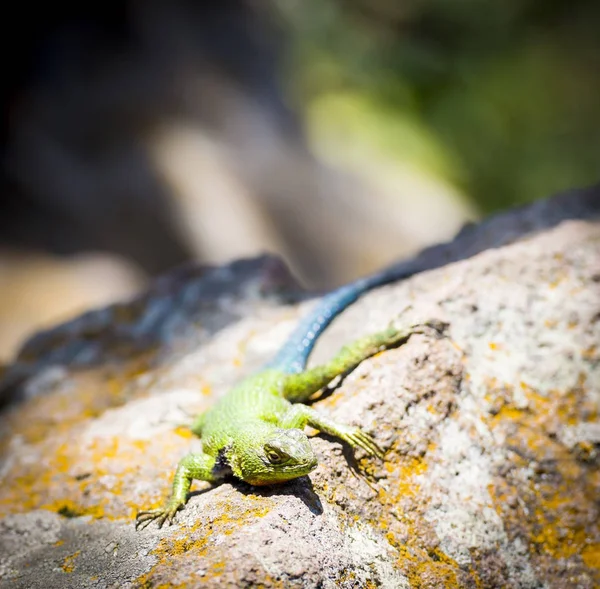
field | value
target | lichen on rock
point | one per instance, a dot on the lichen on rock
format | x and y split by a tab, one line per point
492	434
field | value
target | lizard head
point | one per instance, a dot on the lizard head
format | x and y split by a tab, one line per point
272	456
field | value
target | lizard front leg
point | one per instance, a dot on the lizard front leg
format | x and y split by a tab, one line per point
193	466
299	416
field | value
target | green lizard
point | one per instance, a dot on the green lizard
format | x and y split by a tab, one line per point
255	431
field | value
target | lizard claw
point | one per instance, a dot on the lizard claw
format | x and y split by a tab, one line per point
438	326
357	438
165	514
434	327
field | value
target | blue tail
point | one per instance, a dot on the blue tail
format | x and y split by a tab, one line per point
293	356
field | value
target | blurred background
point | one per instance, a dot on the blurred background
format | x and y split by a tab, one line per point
342	135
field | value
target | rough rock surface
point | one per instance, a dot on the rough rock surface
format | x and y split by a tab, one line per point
491	477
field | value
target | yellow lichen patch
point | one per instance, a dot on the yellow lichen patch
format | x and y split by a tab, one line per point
561	276
591	556
552	509
591	353
427	568
405	472
28	486
400	510
418	557
87	393
184	432
68	564
75	476
200	544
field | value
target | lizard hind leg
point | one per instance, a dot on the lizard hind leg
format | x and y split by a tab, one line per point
301	386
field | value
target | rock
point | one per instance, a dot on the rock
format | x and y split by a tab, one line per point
178	313
491	476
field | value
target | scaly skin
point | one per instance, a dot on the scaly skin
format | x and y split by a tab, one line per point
255	431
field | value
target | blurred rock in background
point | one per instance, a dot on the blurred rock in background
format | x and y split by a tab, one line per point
141	135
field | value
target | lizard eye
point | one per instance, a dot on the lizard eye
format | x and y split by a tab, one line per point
276	457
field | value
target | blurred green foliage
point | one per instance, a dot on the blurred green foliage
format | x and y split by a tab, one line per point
508	89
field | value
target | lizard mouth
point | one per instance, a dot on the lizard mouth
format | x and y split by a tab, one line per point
303	465
312	464
302	468
284	473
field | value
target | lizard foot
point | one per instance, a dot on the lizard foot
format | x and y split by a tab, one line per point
437	326
357	438
165	514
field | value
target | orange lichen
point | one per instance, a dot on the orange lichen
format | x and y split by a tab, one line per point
552	508
197	541
406	471
425	568
184	432
68	564
75	476
423	563
591	556
399	510
97	389
561	276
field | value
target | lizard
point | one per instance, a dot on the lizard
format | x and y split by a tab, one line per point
255	431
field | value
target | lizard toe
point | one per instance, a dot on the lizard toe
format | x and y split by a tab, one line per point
145	518
160	520
366	442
